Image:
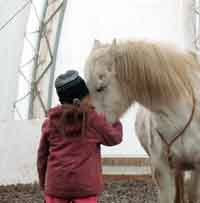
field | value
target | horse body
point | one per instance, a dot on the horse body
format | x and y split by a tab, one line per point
163	82
185	152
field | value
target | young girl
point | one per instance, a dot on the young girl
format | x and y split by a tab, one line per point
69	155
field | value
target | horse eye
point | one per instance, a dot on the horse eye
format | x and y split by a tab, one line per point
101	77
100	89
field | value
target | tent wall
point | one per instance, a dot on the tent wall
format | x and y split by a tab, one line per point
19	139
11	40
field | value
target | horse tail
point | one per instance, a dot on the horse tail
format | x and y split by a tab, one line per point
179	183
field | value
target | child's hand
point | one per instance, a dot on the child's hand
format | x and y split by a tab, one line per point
103	115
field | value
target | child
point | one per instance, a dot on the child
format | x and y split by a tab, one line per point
69	155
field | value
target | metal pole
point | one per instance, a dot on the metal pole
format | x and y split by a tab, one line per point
56	45
35	66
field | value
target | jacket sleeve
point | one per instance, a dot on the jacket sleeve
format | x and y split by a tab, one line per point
42	155
105	133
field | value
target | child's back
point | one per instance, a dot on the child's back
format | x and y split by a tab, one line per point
69	159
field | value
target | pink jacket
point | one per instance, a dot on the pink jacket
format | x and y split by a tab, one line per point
71	166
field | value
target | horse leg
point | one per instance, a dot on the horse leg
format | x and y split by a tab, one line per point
194	187
165	180
179	184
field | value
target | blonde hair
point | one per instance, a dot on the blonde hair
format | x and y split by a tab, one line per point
155	73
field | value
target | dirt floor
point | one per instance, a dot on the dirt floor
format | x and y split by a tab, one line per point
115	192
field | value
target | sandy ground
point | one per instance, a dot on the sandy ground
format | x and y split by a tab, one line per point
115	192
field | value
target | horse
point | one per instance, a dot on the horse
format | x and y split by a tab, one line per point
163	80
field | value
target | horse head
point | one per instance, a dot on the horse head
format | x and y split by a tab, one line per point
102	80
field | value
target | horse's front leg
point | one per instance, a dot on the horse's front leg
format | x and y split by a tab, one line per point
194	187
165	181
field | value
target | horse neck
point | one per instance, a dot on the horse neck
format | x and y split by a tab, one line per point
171	119
146	101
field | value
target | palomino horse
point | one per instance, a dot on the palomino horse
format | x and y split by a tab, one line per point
164	81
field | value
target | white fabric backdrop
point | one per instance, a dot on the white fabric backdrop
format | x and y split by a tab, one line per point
11	40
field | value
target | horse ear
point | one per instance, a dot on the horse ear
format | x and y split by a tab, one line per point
112	53
96	44
114	42
113	46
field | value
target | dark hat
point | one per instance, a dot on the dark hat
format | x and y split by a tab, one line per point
70	86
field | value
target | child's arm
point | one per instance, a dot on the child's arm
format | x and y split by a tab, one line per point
42	155
106	133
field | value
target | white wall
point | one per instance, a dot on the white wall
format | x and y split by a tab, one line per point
18	147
